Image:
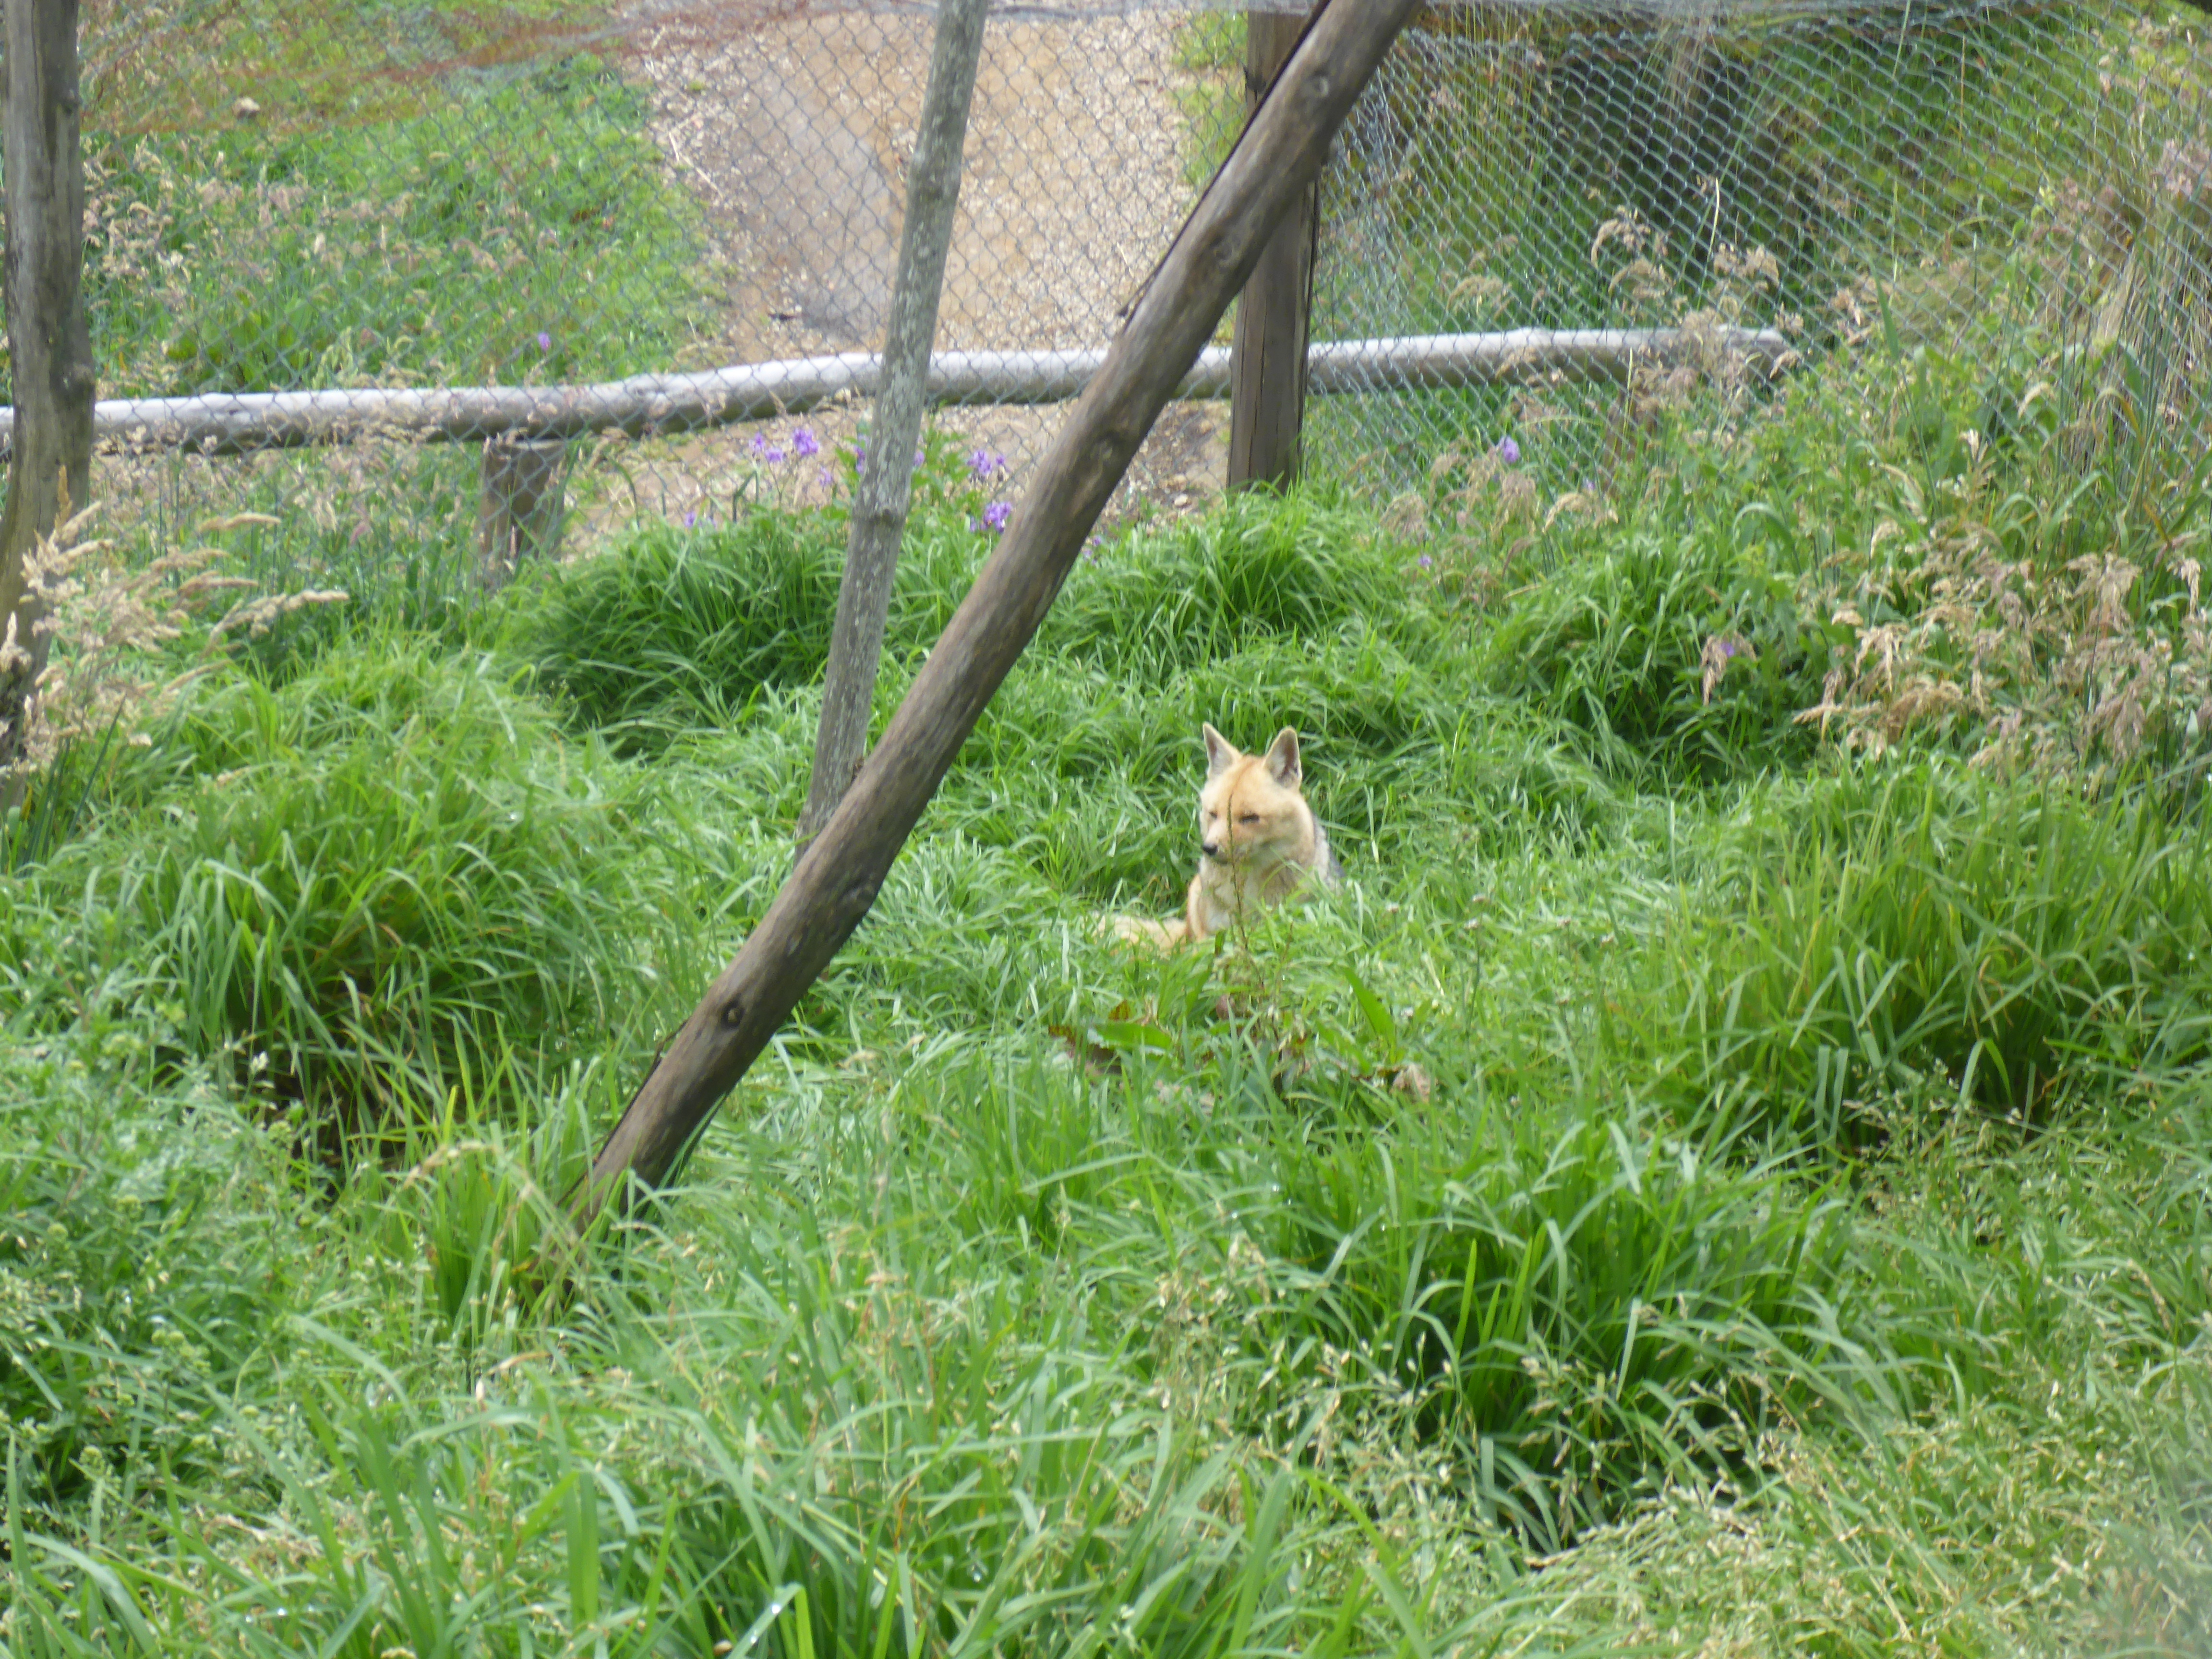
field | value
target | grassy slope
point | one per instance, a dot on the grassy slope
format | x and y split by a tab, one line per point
1713	1182
456	194
1692	1190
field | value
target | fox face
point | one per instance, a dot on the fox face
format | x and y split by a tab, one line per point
1251	817
1259	843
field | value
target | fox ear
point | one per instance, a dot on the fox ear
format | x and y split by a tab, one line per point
1283	758
1220	754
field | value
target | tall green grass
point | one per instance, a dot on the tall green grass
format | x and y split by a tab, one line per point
1901	936
1582	1304
692	622
1682	1164
139	1265
1623	645
389	874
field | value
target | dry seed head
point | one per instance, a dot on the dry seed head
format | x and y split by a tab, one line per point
108	624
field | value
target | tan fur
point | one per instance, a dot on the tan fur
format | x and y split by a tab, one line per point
1259	843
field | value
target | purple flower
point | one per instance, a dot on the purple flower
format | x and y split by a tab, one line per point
772	457
803	444
985	464
692	519
1508	451
823	477
1426	562
544	342
996	514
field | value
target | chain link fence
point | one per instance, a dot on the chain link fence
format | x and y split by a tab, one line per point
660	240
664	232
2016	187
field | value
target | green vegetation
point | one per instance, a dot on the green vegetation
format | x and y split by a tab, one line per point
519	231
1731	1171
283	197
180	66
1209	93
372	882
1713	1176
1516	151
2016	188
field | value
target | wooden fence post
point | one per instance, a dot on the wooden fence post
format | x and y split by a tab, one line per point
49	349
1267	357
885	489
519	514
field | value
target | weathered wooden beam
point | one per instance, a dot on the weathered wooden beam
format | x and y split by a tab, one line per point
649	405
839	874
1437	362
520	506
886	484
50	347
1267	356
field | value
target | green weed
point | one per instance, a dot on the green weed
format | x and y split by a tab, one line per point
388	872
1901	935
1579	1303
1681	653
263	262
136	1267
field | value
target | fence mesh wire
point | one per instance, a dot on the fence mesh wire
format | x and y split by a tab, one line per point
348	202
2019	187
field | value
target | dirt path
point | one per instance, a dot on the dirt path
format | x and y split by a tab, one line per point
794	135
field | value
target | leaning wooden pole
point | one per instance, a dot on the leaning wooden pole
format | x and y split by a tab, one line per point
886	484
837	877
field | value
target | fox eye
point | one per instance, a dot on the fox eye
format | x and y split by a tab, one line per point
1249	817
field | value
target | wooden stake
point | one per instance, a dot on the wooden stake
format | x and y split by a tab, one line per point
1267	357
879	505
519	511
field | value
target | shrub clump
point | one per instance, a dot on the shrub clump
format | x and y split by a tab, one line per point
687	626
1676	653
374	882
1920	928
1574	1302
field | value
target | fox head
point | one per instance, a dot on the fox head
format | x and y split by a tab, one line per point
1251	813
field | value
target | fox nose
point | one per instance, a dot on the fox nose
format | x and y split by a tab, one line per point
1212	850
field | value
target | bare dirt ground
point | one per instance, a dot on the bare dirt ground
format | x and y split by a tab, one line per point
794	134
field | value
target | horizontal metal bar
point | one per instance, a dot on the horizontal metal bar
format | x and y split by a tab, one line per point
647	406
